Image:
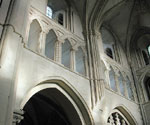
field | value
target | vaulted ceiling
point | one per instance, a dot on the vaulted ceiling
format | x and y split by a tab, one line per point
123	17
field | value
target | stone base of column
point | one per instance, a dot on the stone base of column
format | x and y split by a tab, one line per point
17	116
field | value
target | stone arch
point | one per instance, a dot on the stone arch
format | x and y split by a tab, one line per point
53	30
66	53
117	49
51	39
70	39
141	79
72	95
125	113
34	35
38	20
134	38
124	110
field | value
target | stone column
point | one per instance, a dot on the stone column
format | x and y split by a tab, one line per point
123	122
134	92
117	119
73	60
86	66
107	78
94	49
17	116
111	120
58	51
27	31
14	38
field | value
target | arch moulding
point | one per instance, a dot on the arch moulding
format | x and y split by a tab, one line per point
68	91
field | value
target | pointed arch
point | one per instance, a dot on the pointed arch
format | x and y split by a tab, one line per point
34	35
121	114
66	54
80	61
51	39
127	114
63	87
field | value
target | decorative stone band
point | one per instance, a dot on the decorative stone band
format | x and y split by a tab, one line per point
17	116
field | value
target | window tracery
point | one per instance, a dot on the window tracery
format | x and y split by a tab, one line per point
116	119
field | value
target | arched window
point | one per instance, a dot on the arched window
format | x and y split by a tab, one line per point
145	57
34	35
49	12
121	85
50	44
148	50
109	43
60	19
129	89
112	80
109	53
80	65
66	53
147	86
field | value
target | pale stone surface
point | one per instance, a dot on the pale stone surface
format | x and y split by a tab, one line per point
23	69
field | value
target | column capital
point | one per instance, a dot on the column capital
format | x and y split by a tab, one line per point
18	116
92	32
59	40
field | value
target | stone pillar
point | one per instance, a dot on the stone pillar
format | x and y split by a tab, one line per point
86	66
107	78
13	42
27	30
73	60
58	52
123	122
96	76
117	119
111	120
17	116
134	92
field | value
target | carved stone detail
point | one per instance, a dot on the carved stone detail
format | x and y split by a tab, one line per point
17	116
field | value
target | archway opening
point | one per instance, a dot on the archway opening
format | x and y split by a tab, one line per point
50	106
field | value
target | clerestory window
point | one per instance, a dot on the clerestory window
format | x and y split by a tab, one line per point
49	12
109	52
61	19
149	50
1	2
